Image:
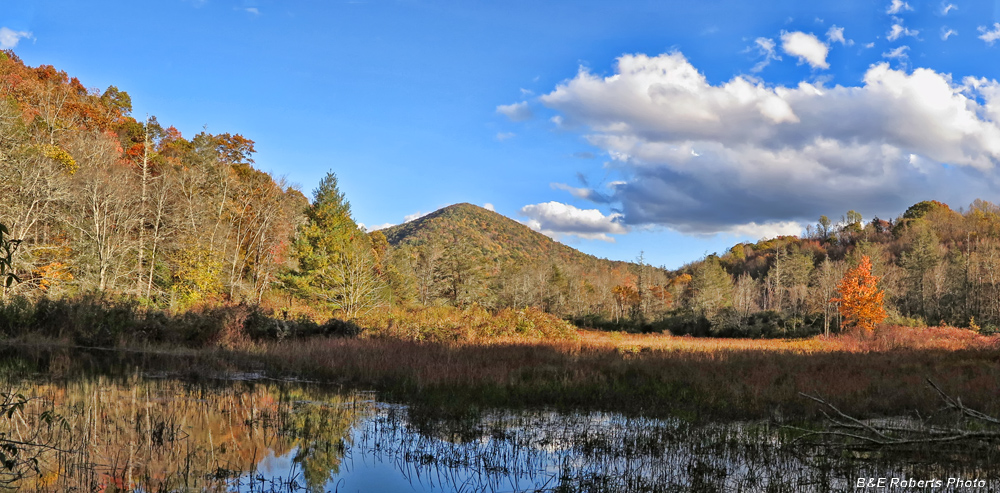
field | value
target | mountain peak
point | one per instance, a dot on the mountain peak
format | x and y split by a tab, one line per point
495	236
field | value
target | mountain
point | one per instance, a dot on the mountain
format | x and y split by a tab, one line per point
496	237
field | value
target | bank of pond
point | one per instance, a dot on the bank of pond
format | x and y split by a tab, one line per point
78	420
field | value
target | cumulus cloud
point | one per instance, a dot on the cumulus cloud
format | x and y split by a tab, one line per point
990	35
767	230
252	10
557	220
9	38
707	158
836	35
806	47
947	33
765	48
375	227
898	31
416	215
897	6
945	8
898	53
517	112
488	206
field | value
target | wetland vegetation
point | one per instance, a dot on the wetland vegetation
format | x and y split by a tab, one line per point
116	423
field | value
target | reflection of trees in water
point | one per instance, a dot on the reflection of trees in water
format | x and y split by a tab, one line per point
164	435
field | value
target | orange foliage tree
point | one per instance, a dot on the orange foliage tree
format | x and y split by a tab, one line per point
860	299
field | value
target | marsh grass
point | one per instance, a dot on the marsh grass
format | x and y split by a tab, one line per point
882	374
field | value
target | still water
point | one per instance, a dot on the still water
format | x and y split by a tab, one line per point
154	432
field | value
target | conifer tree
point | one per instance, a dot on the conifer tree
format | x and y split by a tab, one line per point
336	261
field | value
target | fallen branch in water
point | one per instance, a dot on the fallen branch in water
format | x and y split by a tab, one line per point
975	427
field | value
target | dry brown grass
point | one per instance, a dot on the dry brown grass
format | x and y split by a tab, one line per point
879	374
883	339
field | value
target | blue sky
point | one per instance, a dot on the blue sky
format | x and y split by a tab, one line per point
673	128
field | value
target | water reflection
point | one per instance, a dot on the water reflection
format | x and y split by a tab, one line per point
161	434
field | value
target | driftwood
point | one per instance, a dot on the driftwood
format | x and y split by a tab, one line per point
912	432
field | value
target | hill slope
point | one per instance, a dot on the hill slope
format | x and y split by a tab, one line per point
495	236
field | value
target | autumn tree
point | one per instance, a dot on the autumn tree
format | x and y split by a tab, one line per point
860	298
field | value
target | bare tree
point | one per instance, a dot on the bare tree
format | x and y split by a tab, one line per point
105	211
360	289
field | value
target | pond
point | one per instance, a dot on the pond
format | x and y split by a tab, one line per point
151	431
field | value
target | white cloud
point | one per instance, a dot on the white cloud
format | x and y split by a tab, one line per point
836	35
556	219
252	10
765	47
807	47
948	8
488	206
898	53
502	136
990	35
414	216
870	45
947	33
774	154
767	230
9	38
898	31
897	6
517	112
375	227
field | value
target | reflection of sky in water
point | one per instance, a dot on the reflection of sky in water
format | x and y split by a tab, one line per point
379	468
540	451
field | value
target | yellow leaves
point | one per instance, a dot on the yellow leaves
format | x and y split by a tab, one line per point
59	155
198	273
625	294
861	302
53	274
682	280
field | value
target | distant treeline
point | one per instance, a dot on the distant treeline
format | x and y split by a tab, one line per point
937	266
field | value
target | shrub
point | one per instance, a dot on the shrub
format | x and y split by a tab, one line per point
471	323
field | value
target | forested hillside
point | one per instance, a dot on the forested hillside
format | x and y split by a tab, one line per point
935	266
493	236
464	253
104	202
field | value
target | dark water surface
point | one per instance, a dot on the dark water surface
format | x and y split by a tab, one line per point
108	424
